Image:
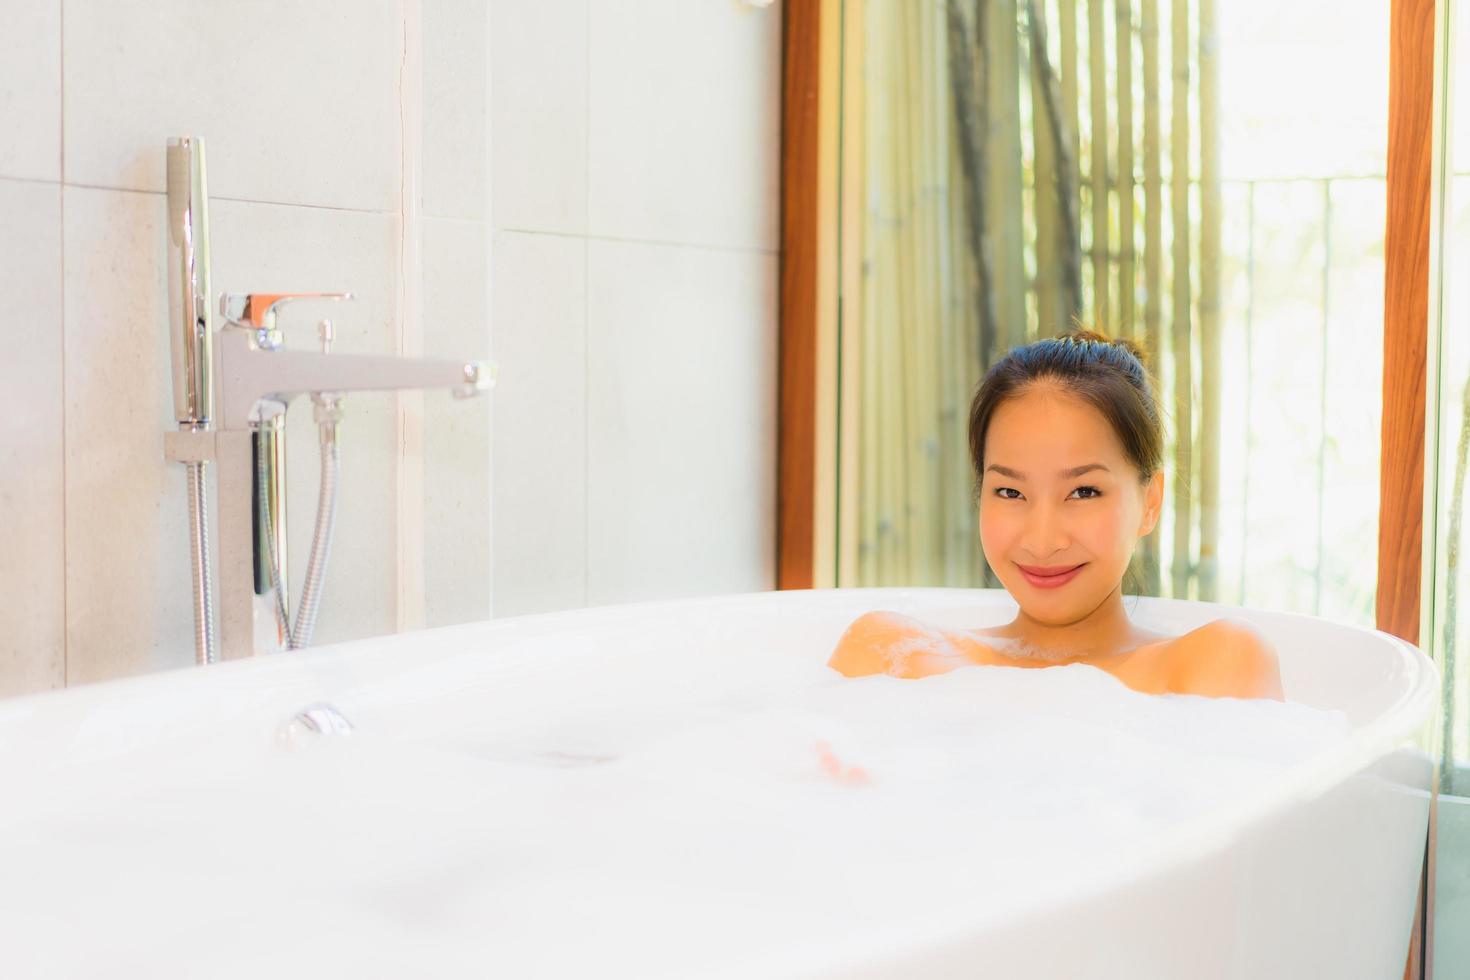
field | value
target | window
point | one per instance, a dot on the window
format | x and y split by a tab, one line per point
1206	178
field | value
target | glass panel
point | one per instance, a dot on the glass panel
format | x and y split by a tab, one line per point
1449	636
1018	174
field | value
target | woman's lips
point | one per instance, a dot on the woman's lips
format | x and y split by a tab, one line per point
1050	578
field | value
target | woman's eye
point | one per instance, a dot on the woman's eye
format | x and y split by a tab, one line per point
1008	493
1086	493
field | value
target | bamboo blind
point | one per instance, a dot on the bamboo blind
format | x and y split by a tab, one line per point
1011	192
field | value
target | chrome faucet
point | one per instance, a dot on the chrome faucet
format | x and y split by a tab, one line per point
232	388
257	373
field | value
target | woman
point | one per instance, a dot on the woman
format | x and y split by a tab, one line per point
1067	448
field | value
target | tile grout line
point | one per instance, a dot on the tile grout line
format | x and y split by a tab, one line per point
61	333
586	304
657	242
488	294
80	185
298	204
393	212
17	179
409	460
586	424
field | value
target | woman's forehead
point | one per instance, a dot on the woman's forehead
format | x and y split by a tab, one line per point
1053	427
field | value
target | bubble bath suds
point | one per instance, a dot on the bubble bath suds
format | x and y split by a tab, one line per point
669	820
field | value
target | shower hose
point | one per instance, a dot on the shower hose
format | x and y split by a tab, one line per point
198	488
298	635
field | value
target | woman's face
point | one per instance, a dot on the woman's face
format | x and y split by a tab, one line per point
1061	504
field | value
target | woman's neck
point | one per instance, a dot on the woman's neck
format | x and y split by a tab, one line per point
1104	631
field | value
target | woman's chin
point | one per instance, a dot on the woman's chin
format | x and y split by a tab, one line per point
1061	607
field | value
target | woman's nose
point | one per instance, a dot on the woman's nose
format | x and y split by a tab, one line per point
1046	533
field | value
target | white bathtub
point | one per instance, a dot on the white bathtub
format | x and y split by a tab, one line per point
309	861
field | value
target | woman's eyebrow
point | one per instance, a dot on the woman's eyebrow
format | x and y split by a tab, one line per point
1006	471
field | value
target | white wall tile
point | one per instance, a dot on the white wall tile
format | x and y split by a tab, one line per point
538	98
127	560
30	89
681	346
456	431
32	577
684	131
298	102
539	423
456	41
270	248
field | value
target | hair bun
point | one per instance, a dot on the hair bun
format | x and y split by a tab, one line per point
1082	335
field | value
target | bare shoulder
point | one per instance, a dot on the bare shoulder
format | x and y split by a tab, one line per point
892	643
864	647
1228	658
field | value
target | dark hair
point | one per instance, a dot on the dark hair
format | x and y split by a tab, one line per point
1108	374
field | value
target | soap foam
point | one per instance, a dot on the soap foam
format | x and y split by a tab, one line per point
668	819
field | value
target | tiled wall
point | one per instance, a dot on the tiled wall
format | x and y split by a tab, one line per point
598	213
634	202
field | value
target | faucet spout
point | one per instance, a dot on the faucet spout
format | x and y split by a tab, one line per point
249	374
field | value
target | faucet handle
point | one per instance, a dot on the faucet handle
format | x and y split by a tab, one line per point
326	333
257	311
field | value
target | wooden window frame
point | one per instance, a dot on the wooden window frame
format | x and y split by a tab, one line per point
806	410
796	400
1407	251
1408	273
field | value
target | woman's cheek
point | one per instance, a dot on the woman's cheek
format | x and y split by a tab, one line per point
995	532
999	529
1106	532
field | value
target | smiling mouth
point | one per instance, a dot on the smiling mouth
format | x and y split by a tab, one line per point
1050	578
